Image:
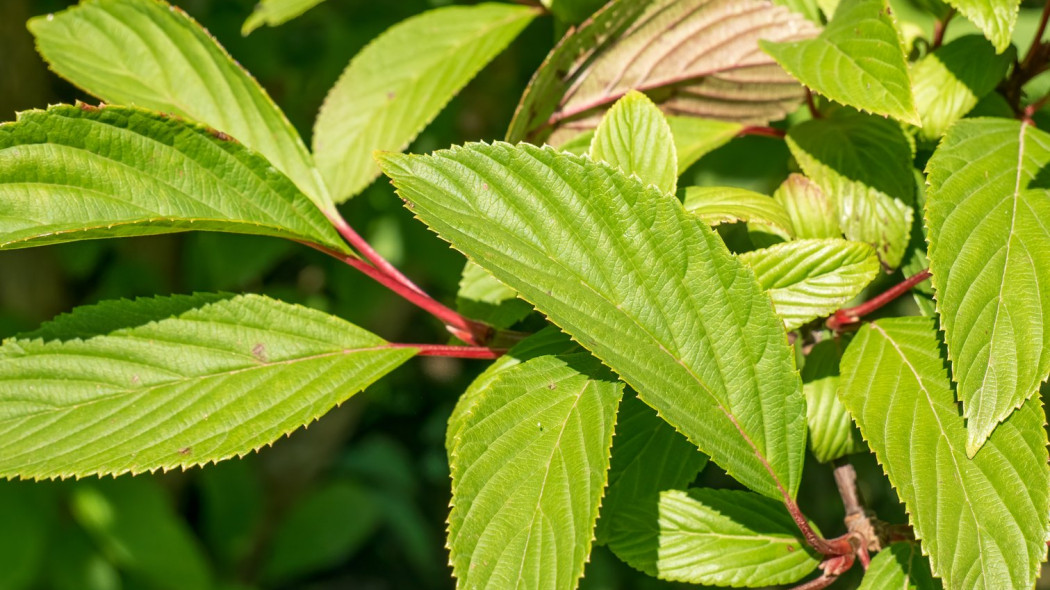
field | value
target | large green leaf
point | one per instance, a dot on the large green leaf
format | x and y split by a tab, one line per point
813	213
990	257
809	279
995	18
949	81
150	54
174	382
696	136
276	12
831	431
717	537
72	173
399	83
635	279
982	521
634	137
858	61
715	205
528	472
693	57
901	566
864	163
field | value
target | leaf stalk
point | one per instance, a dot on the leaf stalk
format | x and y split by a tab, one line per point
852	315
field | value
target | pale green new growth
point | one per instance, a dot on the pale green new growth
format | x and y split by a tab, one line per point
74	173
709	536
812	212
900	566
635	279
174	382
857	61
717	204
995	18
153	55
528	469
634	137
276	12
696	136
982	521
990	257
399	83
831	431
809	279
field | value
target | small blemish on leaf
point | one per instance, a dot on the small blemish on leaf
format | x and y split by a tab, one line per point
87	107
185	451
552	386
220	135
391	95
259	352
135	380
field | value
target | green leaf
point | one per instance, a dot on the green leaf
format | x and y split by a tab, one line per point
809	279
174	382
484	298
990	531
717	537
692	57
831	431
397	84
636	280
858	60
648	457
153	55
807	8
901	566
812	212
696	136
990	258
995	18
528	474
716	205
572	11
864	163
949	82
275	12
634	137
71	173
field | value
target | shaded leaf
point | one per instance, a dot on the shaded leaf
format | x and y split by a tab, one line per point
901	565
858	61
630	275
572	11
990	258
718	537
831	431
696	136
809	279
73	173
484	298
991	531
807	8
634	137
812	212
715	205
995	18
174	382
153	55
275	12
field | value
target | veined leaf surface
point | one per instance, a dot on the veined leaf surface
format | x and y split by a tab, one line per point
831	431
717	204
174	382
990	258
629	274
634	137
484	298
276	12
813	213
399	83
990	531
149	54
72	173
528	472
858	61
901	566
995	18
696	136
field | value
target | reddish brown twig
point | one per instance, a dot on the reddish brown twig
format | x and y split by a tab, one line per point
458	352
852	315
939	27
762	131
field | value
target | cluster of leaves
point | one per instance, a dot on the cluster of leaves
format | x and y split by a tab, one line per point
679	315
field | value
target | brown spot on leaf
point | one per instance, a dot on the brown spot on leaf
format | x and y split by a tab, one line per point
185	451
259	352
220	135
86	107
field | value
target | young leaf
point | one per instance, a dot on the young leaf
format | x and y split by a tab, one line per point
715	205
990	258
696	136
988	529
717	537
174	382
864	163
808	279
528	473
901	566
401	81
694	57
858	61
634	137
995	18
72	173
275	12
831	431
484	298
812	212
150	54
630	275
949	81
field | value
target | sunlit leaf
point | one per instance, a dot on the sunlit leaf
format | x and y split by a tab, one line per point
276	12
715	205
696	136
901	566
813	213
831	431
634	137
995	18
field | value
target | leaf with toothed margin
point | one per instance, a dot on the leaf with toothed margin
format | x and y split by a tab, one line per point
634	136
482	297
990	531
858	60
812	212
726	204
901	566
72	173
649	289
172	382
153	55
529	464
275	12
989	251
995	18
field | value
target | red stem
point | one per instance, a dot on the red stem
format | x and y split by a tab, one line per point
852	315
1034	49
762	131
457	352
813	110
827	547
358	243
817	583
940	27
